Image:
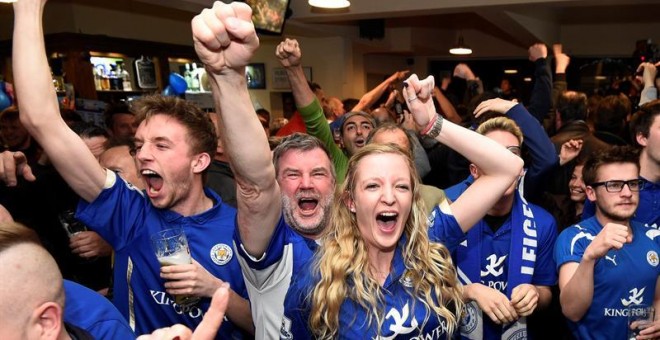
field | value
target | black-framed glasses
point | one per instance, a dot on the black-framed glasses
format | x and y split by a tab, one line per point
617	185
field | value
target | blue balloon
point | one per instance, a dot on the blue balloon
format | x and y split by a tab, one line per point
5	101
178	83
168	91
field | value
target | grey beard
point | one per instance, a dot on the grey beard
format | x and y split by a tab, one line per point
310	230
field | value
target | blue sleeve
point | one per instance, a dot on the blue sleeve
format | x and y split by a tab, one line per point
112	329
570	246
295	322
115	213
94	313
445	229
454	191
545	273
540	101
542	151
273	253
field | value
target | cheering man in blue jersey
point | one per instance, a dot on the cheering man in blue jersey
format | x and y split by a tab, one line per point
609	262
174	141
506	262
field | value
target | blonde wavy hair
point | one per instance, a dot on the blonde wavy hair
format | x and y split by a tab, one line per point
342	262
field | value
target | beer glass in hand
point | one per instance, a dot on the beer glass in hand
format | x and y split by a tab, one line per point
171	247
639	317
70	224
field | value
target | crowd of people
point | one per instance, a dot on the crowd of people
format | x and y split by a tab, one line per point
411	212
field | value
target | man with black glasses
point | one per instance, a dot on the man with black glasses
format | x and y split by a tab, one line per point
609	262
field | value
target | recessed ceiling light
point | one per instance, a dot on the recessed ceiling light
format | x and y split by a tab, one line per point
329	3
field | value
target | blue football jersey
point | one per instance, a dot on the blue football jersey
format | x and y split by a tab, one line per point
94	313
125	218
405	316
269	277
622	278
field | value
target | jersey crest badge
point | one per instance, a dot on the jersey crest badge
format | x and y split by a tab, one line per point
652	258
405	280
469	321
221	254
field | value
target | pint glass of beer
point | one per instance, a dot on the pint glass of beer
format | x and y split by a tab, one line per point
70	224
171	247
639	317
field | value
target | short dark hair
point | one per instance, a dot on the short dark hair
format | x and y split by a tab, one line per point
615	154
201	132
611	113
114	109
472	106
299	142
349	103
571	106
114	142
88	130
643	119
349	115
264	113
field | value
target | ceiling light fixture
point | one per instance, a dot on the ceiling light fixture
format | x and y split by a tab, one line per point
460	48
332	4
7	1
511	71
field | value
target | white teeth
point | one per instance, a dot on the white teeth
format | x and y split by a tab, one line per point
389	214
152	190
148	172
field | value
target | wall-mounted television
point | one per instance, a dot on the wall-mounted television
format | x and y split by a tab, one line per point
269	15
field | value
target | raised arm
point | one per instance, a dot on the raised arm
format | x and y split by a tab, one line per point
289	54
369	98
540	101
562	60
225	40
39	110
475	86
650	92
500	166
542	151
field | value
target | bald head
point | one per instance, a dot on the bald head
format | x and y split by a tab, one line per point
31	294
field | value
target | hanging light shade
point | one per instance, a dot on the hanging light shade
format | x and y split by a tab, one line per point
333	4
460	48
7	1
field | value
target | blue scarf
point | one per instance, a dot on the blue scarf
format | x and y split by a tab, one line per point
522	259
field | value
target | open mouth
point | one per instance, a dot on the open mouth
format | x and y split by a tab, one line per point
307	204
577	190
387	220
360	142
153	180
